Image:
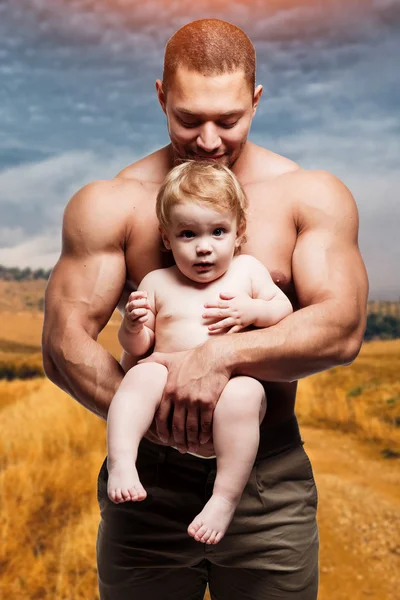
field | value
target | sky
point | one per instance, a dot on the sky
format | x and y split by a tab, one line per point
78	103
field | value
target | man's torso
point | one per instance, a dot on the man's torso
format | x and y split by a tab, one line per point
271	233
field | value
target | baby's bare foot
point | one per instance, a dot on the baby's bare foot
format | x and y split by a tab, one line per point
124	483
211	524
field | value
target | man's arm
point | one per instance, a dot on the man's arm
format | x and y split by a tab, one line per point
331	286
83	290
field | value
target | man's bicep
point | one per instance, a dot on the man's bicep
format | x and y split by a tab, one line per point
327	264
84	291
87	281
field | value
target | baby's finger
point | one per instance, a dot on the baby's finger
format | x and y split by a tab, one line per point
140	303
235	329
217	304
138	294
222	324
136	314
212	313
139	312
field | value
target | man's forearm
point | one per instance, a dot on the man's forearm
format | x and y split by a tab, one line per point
85	370
310	340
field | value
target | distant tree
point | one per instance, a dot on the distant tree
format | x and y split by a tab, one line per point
384	327
26	274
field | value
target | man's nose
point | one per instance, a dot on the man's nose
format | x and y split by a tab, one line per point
208	139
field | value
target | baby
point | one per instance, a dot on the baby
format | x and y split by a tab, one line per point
201	209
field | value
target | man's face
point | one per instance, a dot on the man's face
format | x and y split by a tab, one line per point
208	117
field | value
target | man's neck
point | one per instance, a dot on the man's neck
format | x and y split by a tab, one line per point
240	165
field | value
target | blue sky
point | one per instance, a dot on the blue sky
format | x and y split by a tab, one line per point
77	103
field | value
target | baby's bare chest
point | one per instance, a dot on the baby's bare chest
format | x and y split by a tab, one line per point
186	300
180	309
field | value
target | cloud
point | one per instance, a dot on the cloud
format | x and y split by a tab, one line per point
34	197
40	251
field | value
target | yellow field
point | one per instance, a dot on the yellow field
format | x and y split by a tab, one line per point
51	450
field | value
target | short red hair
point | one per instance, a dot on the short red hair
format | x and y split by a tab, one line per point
210	47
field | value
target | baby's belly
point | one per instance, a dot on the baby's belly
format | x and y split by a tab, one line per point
179	336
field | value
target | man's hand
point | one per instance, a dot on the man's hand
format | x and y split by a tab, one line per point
236	312
195	382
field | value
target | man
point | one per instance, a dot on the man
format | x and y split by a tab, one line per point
303	226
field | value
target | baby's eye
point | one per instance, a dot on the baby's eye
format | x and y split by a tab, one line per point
219	231
187	234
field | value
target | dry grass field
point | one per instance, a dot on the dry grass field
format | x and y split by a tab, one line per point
51	449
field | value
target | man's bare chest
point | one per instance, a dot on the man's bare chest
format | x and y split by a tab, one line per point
271	237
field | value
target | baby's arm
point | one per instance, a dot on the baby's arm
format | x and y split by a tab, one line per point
134	335
265	306
272	305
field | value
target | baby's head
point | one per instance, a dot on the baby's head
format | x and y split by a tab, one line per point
201	208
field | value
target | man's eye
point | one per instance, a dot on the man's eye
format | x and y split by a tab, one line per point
188	125
228	125
187	234
219	231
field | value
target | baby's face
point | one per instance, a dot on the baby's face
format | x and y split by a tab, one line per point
202	240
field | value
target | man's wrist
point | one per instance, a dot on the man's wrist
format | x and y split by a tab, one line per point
223	351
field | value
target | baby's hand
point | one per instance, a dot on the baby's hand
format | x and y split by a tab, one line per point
136	311
236	311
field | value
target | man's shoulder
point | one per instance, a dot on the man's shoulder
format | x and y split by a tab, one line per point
319	198
318	188
264	164
147	171
102	211
105	197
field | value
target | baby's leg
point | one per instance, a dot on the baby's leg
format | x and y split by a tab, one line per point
236	434
129	417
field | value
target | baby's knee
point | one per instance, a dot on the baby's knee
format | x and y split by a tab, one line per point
147	373
245	396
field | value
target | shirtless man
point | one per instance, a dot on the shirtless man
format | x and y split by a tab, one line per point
303	226
201	208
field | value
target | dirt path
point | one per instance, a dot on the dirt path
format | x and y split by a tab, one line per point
358	515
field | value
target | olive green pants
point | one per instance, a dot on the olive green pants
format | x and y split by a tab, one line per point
270	550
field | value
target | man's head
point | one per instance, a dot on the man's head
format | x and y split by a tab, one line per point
201	208
208	90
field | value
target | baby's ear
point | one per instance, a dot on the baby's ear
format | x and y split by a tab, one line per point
240	238
165	238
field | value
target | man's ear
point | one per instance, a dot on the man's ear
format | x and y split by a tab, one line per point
256	99
165	238
160	93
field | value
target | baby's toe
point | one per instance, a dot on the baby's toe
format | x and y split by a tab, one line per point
212	537
200	532
206	536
